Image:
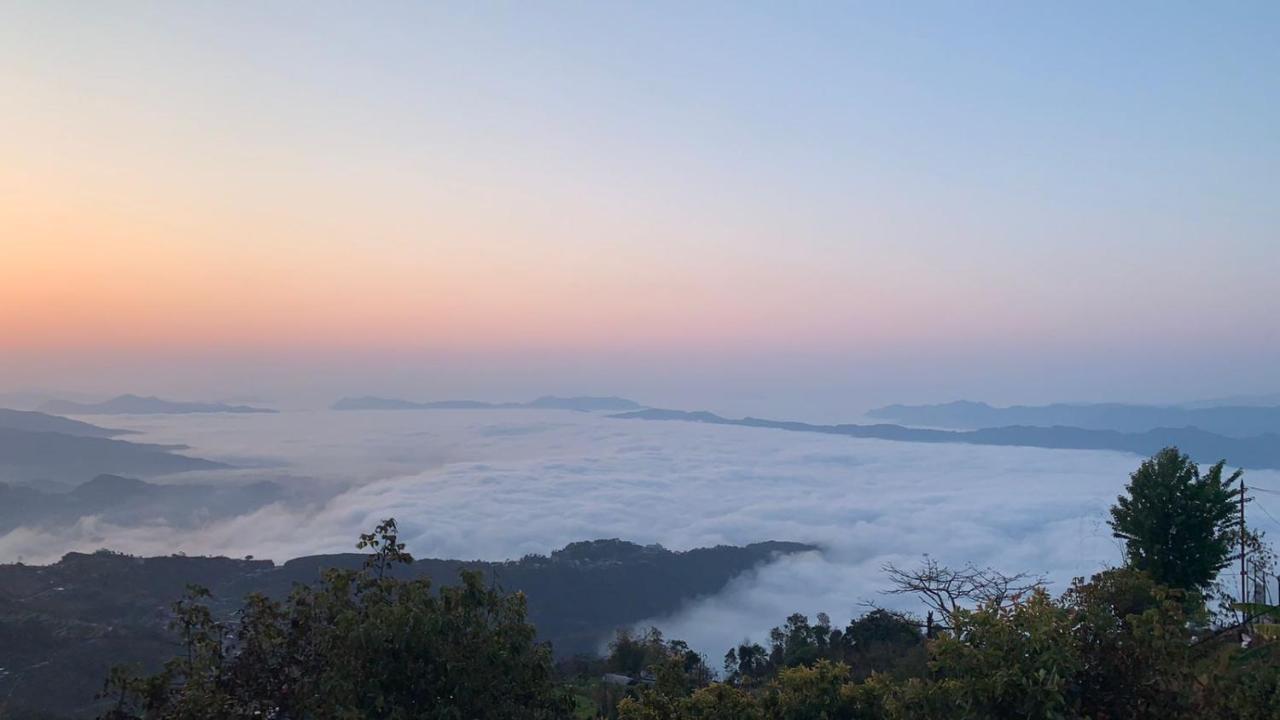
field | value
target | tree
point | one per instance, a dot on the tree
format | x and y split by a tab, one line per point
746	664
1177	523
386	550
949	590
359	644
882	641
672	661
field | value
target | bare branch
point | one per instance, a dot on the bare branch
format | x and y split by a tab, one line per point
947	590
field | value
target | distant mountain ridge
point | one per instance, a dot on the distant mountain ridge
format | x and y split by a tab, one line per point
1241	421
1265	400
143	405
582	403
33	421
1261	452
27	456
128	501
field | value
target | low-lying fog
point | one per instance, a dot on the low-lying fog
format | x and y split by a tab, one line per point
500	484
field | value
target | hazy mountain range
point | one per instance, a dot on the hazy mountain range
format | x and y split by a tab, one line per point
1234	421
36	447
140	405
1262	451
62	626
33	421
1265	400
128	502
547	402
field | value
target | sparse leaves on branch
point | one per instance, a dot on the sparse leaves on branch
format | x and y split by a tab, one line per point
387	550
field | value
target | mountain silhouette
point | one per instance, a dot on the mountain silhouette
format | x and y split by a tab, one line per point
33	421
27	456
128	501
1235	421
1261	451
140	405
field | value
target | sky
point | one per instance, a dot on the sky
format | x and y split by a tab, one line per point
803	210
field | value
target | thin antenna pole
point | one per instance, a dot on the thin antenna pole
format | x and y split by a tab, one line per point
1244	576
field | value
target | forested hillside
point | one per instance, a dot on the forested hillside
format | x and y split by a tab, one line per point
63	625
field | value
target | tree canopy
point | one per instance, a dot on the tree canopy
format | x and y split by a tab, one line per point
1116	646
1178	523
359	644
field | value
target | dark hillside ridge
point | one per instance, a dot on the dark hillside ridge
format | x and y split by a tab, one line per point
63	625
578	595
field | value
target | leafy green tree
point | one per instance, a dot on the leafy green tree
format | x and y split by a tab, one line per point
747	664
1134	642
799	693
360	644
884	642
1015	661
878	642
722	702
632	654
1177	523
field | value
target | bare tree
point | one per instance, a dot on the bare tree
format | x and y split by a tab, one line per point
947	590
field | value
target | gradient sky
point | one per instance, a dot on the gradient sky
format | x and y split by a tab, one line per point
748	206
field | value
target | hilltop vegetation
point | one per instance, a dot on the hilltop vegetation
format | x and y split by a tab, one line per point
1115	646
358	644
63	625
1133	642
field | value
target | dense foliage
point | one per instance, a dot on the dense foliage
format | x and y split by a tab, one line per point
1177	523
1117	646
64	625
878	642
1132	642
360	644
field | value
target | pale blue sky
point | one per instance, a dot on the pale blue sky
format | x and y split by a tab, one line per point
845	202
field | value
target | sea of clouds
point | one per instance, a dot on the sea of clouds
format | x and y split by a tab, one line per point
500	484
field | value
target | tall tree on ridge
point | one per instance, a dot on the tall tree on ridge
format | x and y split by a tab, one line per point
1178	524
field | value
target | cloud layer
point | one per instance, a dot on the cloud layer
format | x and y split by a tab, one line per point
499	484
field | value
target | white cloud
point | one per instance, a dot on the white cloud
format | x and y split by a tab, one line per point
494	485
